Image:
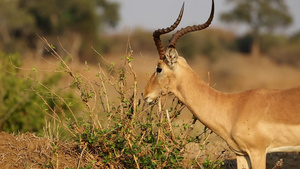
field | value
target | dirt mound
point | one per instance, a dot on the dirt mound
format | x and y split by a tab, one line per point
30	151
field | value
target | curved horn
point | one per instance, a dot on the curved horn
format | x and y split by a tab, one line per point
188	29
158	32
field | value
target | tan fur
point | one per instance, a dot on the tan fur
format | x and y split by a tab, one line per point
252	122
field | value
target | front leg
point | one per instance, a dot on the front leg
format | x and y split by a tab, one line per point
258	159
243	162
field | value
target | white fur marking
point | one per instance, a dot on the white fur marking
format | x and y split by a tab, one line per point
285	149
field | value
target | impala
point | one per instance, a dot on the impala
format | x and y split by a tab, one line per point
253	122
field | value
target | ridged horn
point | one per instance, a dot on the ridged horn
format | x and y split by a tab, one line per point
158	32
183	31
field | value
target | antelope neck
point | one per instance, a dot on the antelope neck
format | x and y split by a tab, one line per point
208	105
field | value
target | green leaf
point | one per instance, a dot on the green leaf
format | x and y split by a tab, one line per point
34	69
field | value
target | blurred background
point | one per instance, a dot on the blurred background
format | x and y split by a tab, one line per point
250	44
251	27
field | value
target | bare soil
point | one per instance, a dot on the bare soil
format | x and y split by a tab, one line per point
30	151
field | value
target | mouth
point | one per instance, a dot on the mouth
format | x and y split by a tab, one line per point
151	101
148	99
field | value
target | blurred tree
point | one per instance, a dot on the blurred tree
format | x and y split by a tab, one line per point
74	19
13	23
259	15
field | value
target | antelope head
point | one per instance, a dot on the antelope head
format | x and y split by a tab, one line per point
170	67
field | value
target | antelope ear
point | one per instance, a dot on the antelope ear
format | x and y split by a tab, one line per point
171	56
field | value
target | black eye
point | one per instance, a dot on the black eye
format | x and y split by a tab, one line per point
158	69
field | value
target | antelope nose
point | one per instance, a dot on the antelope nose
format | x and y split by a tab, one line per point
143	96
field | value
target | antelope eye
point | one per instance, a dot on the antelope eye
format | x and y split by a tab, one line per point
158	69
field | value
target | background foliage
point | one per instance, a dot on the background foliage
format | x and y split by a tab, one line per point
260	16
70	20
